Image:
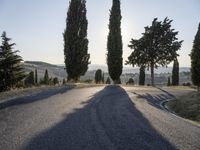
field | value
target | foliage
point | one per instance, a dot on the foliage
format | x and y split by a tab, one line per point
169	81
29	80
175	73
157	47
46	79
108	81
98	76
130	81
75	40
11	68
142	76
195	57
114	43
36	77
55	81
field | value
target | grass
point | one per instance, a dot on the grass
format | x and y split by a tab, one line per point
187	106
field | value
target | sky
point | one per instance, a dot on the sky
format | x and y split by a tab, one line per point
36	26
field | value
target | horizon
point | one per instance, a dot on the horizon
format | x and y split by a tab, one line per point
37	26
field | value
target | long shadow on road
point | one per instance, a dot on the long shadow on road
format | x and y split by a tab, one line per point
109	120
34	98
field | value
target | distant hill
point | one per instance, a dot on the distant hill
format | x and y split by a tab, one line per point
128	72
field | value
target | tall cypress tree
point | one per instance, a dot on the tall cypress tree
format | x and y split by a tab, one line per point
75	40
114	44
46	77
195	63
11	68
36	77
175	73
142	76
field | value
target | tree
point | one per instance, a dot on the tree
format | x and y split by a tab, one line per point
142	76
11	67
36	77
102	78
55	81
75	40
175	73
169	81
46	77
64	82
157	47
108	81
98	76
130	81
195	60
114	43
29	80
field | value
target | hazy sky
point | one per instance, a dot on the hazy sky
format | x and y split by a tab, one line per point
36	26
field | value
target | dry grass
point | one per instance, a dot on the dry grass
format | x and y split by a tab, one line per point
187	106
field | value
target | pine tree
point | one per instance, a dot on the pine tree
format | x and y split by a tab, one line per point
36	77
142	76
195	60
46	77
114	43
11	67
98	76
158	46
175	73
75	40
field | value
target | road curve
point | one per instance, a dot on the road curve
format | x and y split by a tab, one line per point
98	118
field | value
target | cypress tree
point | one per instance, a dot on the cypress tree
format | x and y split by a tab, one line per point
142	76
169	81
11	68
75	40
114	44
175	73
98	76
29	80
36	77
46	77
108	81
195	60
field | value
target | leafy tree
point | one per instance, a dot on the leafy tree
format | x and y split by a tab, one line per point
75	40
36	77
175	73
169	81
55	81
114	44
29	80
98	76
11	68
142	76
108	81
46	77
157	47
195	63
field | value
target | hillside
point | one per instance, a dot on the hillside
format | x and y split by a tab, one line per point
161	74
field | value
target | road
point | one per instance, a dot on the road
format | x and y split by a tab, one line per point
98	118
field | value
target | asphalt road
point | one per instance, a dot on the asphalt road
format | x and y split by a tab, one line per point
98	118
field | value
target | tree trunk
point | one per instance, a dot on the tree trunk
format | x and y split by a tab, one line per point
152	74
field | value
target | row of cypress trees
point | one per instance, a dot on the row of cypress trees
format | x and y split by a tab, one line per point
76	42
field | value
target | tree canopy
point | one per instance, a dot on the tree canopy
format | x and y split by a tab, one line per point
158	46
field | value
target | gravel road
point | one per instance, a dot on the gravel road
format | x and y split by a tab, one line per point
97	118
